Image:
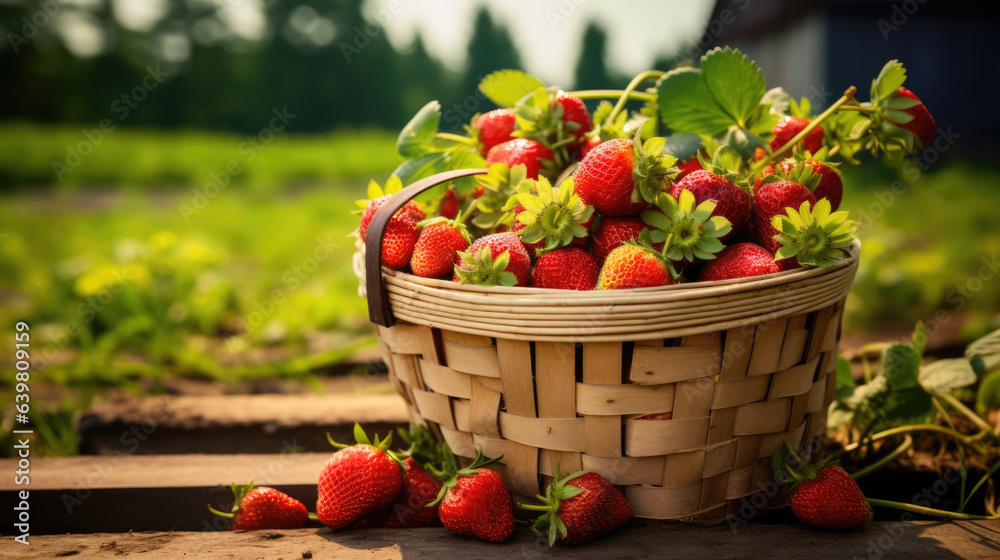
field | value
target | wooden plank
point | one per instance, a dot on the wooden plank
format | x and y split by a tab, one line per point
602	364
897	539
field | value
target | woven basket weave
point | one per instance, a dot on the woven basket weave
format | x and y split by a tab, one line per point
550	376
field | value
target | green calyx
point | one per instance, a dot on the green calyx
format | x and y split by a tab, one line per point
688	233
793	475
456	224
422	444
450	472
728	164
800	173
360	437
540	118
239	492
555	494
483	270
653	169
816	237
555	216
498	186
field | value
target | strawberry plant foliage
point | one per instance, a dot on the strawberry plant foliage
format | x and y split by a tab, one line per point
507	87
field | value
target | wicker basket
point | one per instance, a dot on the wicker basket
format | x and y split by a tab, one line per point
547	376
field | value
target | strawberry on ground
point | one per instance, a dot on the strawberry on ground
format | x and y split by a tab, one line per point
607	177
499	259
771	200
731	202
434	253
788	127
922	124
494	128
263	508
822	495
535	156
408	509
632	266
474	501
579	508
569	268
742	260
830	187
357	481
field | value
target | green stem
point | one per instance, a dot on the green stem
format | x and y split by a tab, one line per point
530	507
928	511
907	443
847	97
967	440
643	76
455	138
468	212
313	516
611	94
219	513
972	416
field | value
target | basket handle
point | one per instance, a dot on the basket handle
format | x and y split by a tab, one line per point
379	311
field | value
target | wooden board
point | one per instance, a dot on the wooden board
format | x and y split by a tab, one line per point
924	540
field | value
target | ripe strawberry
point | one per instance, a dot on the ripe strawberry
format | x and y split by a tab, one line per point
588	145
771	200
575	116
731	202
448	207
434	253
687	167
580	507
263	508
517	226
922	123
357	481
499	259
398	242
613	232
828	498
621	177
474	501
830	185
742	260
494	128
569	268
408	509
788	127
410	209
535	157
632	266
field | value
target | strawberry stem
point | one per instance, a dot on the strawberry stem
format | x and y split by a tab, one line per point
456	138
907	443
219	513
468	211
928	511
531	507
312	516
970	441
847	97
959	406
611	94
629	89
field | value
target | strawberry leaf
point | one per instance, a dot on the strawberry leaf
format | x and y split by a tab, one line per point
687	105
944	376
507	87
845	379
735	82
888	81
742	141
779	100
417	137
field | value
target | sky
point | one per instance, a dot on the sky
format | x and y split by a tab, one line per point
548	32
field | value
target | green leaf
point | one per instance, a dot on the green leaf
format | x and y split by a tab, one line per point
911	404
986	349
742	142
845	379
988	396
944	376
736	83
889	80
417	137
686	104
901	366
507	87
779	100
423	166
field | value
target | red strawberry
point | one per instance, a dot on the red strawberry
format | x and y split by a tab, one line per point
439	241
612	233
522	151
357	481
575	112
492	260
731	202
922	123
569	268
408	509
631	266
830	499
411	208
263	508
770	200
585	148
788	127
398	242
830	185
658	416
581	507
517	226
605	179
743	260
448	207
474	500
494	128
687	167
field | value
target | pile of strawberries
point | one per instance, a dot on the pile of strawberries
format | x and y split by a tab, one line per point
579	200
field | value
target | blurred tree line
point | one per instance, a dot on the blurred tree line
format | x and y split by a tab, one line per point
322	59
